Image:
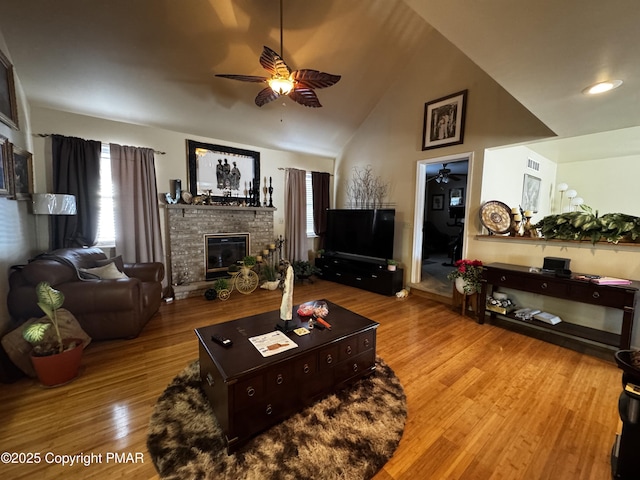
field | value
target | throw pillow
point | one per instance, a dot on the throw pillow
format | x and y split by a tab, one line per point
19	350
117	260
106	272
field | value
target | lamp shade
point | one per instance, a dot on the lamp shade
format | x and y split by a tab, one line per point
54	204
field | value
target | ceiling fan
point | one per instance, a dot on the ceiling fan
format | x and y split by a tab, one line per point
298	85
443	176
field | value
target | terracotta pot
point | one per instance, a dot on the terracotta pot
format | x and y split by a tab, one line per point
60	368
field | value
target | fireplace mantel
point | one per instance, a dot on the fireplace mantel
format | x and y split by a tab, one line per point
185	206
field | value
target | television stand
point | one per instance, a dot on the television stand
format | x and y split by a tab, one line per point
367	273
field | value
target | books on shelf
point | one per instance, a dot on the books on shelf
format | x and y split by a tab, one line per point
546	317
610	281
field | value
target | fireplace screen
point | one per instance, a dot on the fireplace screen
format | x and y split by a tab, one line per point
223	250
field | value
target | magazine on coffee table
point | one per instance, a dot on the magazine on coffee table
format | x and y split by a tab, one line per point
272	343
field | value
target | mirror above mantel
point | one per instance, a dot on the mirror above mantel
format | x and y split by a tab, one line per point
602	168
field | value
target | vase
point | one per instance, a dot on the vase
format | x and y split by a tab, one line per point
460	284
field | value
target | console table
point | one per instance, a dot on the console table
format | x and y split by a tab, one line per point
370	274
621	297
249	392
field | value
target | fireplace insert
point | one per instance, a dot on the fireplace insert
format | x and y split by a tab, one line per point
221	250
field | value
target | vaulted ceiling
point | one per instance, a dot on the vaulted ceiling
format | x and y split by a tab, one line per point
152	62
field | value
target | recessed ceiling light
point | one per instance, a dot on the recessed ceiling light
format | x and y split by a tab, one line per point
602	87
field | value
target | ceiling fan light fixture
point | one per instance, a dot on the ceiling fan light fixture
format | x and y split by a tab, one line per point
280	85
602	87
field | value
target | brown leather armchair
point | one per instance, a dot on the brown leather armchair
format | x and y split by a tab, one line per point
106	309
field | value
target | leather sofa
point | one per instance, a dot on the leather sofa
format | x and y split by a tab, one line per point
105	308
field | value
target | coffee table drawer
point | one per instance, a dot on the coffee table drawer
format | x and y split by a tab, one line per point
247	392
305	367
328	357
355	366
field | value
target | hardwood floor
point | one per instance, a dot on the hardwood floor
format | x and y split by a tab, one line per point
484	402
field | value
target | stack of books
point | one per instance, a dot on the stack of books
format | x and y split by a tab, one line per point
610	281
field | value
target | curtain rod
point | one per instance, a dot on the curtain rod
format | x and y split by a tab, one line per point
283	168
45	135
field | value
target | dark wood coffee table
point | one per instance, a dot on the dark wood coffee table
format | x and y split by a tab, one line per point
249	392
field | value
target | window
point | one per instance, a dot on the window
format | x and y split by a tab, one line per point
310	230
106	223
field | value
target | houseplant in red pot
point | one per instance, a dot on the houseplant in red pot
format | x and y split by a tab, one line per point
55	362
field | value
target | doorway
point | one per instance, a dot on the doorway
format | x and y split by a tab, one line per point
440	227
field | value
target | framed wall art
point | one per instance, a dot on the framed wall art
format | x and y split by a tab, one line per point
21	173
444	121
5	168
437	201
530	193
8	105
222	171
456	197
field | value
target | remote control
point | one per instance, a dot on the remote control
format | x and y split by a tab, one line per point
225	342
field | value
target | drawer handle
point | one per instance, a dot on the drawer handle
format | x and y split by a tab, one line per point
503	278
544	285
251	391
279	379
269	410
374	276
366	342
355	367
596	294
329	359
359	278
338	274
306	368
348	349
210	379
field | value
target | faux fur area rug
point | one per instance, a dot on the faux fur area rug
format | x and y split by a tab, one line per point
349	435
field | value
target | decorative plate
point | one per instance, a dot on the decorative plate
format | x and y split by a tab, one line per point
187	197
496	216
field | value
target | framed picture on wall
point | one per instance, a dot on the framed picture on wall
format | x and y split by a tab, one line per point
530	193
8	105
21	173
223	171
456	197
437	201
5	168
444	121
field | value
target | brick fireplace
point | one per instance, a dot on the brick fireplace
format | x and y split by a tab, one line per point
187	226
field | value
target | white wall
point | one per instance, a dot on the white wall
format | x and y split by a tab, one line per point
503	174
17	226
173	164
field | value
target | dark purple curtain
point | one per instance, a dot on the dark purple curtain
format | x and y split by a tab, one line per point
76	171
320	186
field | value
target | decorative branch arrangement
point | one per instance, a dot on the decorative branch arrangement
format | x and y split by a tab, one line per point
364	190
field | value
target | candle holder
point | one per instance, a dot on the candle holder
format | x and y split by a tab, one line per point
270	194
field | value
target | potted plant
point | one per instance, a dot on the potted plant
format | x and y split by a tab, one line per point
392	265
269	275
249	262
303	269
466	276
55	362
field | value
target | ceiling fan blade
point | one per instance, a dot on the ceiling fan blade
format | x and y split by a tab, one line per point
265	96
305	96
273	63
314	78
244	78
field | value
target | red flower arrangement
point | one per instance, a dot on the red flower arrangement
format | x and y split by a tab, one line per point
470	271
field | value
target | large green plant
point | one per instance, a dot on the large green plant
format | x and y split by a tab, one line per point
49	301
585	224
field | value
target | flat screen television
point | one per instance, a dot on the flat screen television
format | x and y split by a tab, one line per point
367	233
